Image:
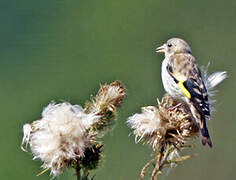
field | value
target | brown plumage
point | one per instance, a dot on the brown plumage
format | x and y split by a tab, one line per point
182	79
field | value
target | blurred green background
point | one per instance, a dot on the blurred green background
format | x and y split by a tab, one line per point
63	49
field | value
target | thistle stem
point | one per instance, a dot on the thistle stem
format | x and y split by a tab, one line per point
144	170
157	167
77	171
85	174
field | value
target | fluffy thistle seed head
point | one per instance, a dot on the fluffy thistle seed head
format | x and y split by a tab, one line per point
65	136
60	136
163	124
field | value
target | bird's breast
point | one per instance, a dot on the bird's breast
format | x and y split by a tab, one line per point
169	84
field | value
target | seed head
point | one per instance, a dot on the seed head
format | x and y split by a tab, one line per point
59	136
163	124
66	134
108	98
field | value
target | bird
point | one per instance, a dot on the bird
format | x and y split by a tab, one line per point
182	80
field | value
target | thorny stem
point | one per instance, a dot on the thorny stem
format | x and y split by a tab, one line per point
144	170
162	161
77	171
81	175
158	166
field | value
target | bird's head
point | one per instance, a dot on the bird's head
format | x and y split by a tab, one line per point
174	45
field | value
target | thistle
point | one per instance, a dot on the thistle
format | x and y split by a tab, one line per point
66	135
168	128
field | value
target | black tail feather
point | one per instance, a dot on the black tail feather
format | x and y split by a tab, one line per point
205	137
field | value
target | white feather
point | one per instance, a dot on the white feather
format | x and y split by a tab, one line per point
215	78
211	81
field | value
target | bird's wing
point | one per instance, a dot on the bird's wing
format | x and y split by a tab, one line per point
184	70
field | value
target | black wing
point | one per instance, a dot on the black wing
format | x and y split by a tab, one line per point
199	95
197	89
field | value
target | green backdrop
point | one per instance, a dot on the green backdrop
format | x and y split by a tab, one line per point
63	49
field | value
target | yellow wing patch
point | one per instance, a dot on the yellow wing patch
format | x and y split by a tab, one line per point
181	79
183	89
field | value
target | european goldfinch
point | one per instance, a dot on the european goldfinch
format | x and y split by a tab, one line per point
181	78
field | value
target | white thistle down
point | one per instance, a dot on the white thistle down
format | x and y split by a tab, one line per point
163	124
60	136
145	123
66	134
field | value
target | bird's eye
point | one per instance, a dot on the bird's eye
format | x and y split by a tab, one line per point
169	45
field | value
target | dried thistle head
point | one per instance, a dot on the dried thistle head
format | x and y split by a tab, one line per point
107	99
167	128
166	124
104	104
66	134
60	136
181	124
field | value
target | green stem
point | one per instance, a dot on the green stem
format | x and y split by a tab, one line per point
77	171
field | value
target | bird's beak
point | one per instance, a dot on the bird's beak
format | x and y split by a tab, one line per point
161	49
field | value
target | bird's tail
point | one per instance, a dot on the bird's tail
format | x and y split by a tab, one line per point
205	137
